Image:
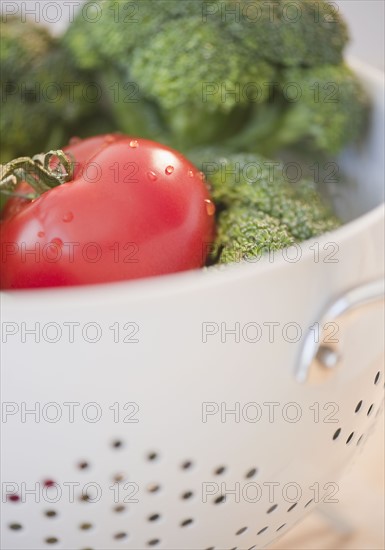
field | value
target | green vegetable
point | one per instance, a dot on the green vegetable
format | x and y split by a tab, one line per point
42	93
328	109
260	209
287	33
244	234
191	73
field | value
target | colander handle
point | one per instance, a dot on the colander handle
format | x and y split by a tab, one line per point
368	294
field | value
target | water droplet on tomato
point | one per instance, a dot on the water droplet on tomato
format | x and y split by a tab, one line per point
202	176
210	207
41	234
169	170
74	140
134	144
152	176
68	217
190	174
57	242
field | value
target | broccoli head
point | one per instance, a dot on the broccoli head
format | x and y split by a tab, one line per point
287	33
328	108
42	93
258	207
203	112
21	124
245	234
203	71
22	45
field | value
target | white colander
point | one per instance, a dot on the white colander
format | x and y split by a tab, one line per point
202	410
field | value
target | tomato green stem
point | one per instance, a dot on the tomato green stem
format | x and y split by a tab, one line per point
36	171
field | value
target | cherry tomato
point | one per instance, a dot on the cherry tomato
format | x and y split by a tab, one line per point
133	208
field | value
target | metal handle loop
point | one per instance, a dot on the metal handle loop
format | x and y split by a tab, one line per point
369	293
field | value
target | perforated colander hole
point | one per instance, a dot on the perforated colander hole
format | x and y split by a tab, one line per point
119	508
377	378
50	513
117	444
370	410
187	494
336	434
220	499
49	483
83	465
153	488
272	508
153	542
186	522
220	470
262	530
251	473
358	407
292	507
120	536
308	503
119	477
281	527
360	439
187	465
85	526
154	517
15	526
152	456
51	540
349	439
241	531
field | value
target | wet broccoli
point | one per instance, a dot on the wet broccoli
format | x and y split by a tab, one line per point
259	208
190	72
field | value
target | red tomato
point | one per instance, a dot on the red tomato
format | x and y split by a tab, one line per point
134	208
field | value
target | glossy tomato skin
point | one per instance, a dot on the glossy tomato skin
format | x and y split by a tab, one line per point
134	209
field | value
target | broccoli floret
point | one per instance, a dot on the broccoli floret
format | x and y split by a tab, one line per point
287	33
106	31
204	71
21	125
202	113
321	109
330	111
245	234
254	196
42	93
22	45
